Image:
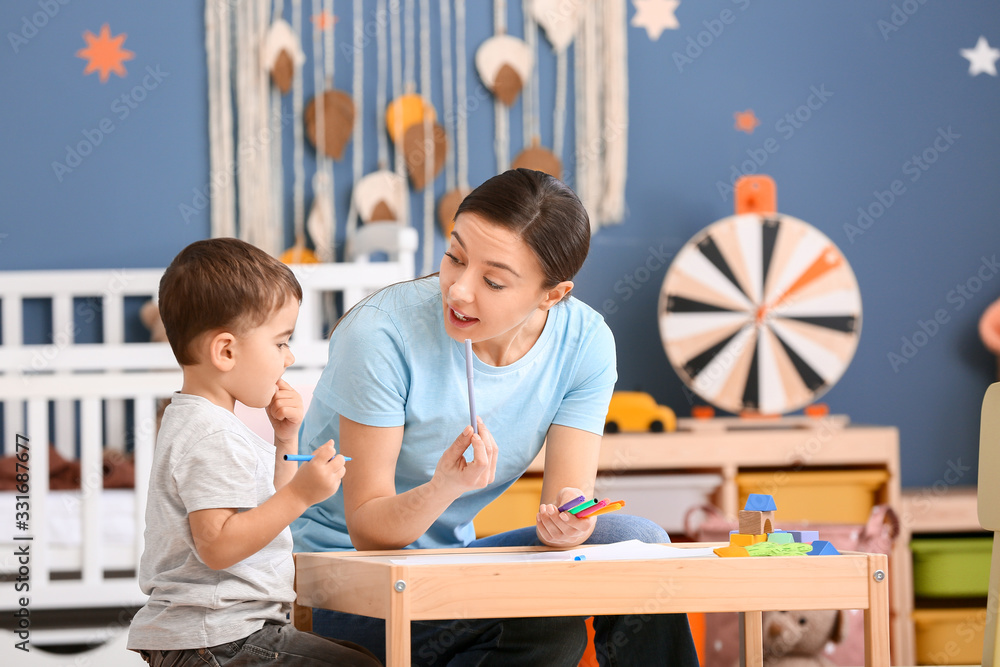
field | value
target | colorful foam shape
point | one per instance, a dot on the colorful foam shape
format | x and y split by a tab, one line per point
781	538
823	548
731	552
805	536
776	549
760	502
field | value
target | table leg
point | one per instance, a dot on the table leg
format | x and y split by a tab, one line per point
397	627
751	639
877	613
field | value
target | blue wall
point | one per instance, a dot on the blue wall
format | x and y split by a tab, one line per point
887	95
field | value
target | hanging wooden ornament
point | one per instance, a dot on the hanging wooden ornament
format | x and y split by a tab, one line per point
338	122
381	197
539	158
404	112
447	206
504	64
299	253
560	20
282	54
416	146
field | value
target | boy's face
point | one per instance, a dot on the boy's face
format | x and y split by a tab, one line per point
262	355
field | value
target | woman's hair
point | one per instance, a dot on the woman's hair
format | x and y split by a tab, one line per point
543	211
218	284
537	207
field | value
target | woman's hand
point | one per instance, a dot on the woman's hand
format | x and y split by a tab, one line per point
562	529
453	472
285	412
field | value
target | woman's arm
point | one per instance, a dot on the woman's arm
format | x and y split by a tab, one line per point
379	518
570	468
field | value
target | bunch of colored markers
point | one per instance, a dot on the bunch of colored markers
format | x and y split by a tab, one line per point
582	508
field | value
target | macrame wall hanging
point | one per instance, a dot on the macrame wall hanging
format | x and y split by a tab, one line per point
255	56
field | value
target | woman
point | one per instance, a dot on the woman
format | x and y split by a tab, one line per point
395	390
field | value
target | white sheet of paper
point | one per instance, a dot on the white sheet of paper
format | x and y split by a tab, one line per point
629	550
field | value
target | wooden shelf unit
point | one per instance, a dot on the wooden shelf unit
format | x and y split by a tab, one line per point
823	442
936	510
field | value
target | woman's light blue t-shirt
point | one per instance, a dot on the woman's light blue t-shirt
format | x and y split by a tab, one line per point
392	364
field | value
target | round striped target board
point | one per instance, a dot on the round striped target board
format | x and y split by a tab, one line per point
760	313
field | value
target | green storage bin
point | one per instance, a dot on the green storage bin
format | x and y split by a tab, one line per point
951	566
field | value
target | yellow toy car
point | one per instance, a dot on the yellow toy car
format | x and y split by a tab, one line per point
637	411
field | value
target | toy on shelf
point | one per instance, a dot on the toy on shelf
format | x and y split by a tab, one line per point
758	537
760	312
637	411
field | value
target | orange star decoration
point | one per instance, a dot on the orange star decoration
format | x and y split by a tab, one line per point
324	20
104	53
746	121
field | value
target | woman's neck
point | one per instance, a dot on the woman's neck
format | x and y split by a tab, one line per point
514	344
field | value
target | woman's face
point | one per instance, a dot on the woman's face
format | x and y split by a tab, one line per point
491	282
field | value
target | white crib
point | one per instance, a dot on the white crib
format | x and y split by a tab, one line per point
89	398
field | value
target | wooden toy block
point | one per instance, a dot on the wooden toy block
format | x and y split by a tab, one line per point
823	548
780	537
754	522
760	502
805	536
741	540
776	549
730	552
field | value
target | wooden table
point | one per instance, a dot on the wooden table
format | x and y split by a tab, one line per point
371	584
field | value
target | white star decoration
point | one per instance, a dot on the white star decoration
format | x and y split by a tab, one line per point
983	58
655	16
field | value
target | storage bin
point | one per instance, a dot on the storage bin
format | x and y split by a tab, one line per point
516	507
664	499
949	636
817	496
951	566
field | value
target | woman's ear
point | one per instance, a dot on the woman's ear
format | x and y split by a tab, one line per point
556	294
221	351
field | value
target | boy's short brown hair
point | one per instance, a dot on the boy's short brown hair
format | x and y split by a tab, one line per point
217	284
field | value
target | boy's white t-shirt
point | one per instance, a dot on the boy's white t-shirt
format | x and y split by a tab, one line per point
392	364
205	458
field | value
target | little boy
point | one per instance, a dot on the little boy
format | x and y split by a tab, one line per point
218	560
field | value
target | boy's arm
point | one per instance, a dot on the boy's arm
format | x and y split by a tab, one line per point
224	537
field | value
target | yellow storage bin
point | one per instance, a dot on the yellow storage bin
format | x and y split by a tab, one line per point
817	496
949	636
516	507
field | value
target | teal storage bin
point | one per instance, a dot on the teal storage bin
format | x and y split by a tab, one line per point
951	566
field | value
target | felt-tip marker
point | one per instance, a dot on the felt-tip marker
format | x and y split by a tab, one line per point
472	394
306	457
572	503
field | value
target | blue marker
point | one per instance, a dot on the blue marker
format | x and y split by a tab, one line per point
306	457
472	395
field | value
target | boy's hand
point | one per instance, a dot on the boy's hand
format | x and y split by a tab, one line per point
319	479
285	412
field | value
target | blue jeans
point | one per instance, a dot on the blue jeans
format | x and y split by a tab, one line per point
273	644
640	640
